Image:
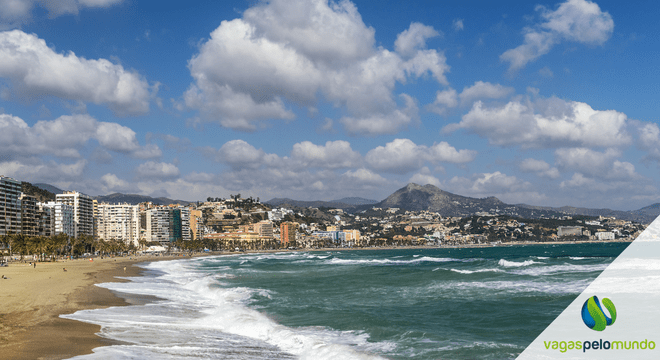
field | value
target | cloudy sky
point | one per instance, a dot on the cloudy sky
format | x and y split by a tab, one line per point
547	103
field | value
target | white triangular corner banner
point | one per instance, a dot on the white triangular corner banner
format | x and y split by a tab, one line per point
632	283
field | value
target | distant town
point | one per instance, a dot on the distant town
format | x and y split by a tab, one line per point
75	224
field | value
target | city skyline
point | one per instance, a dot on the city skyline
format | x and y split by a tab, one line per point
545	104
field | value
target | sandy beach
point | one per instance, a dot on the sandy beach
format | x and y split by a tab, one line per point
32	298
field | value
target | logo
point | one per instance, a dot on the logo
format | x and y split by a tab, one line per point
593	315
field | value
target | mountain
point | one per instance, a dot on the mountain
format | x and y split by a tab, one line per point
50	188
416	197
279	202
355	201
42	195
135	199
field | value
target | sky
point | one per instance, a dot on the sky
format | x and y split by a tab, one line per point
543	103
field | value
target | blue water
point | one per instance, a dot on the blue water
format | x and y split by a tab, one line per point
479	303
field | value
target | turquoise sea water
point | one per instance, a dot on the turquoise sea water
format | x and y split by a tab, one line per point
472	303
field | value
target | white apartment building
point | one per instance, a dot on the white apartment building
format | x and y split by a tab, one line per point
10	206
605	235
118	222
62	218
157	225
83	211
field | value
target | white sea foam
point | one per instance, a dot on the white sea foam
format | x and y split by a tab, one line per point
199	318
338	261
507	263
476	271
576	258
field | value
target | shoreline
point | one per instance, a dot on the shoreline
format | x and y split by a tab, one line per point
33	298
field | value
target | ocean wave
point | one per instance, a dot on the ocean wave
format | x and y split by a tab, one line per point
560	269
507	263
475	271
338	261
195	310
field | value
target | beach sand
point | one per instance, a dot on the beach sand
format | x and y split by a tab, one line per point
32	298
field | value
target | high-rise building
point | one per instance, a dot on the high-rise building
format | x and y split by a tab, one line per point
264	229
45	220
29	224
288	234
10	206
118	222
157	225
196	224
83	211
62	218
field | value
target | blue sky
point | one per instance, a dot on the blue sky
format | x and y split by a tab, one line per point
548	103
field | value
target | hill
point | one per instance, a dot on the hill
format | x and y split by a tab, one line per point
135	199
42	195
416	197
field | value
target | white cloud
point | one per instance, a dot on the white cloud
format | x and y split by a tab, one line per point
484	90
444	100
111	184
414	39
649	140
403	155
157	170
546	123
595	164
424	177
15	12
36	170
383	123
364	176
546	72
579	21
457	24
36	70
66	135
335	154
295	51
443	152
540	167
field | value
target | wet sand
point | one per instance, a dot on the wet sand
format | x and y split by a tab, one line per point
32	298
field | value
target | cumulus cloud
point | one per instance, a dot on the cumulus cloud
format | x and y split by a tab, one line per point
383	123
403	155
35	70
47	171
292	52
649	140
579	21
15	12
66	135
595	164
545	123
540	167
157	170
444	100
414	39
424	177
484	90
447	99
335	154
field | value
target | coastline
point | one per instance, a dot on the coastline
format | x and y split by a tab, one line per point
33	298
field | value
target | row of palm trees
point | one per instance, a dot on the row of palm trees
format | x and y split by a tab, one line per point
60	245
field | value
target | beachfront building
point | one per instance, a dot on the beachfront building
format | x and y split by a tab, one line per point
83	211
605	235
165	224
157	225
29	224
61	218
118	222
288	234
10	206
569	231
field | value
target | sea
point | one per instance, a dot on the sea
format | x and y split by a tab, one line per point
431	303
